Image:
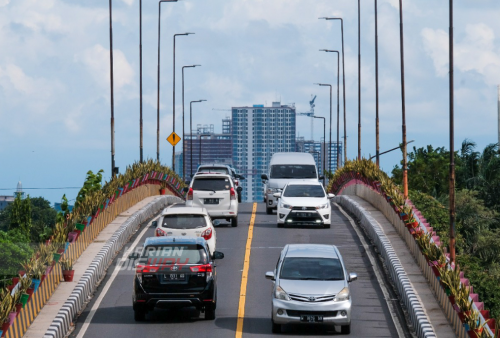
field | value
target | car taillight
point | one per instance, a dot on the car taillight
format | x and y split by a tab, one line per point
236	183
190	194
142	269
233	194
159	232
207	234
201	268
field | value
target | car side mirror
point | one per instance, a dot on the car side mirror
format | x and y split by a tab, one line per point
352	277
277	194
218	255
154	224
186	189
133	256
264	177
331	195
239	189
187	182
241	177
321	177
270	275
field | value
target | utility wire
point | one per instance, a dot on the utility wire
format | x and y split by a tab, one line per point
41	188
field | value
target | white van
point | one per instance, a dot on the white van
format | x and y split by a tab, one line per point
286	167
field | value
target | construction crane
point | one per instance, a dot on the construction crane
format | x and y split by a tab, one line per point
310	113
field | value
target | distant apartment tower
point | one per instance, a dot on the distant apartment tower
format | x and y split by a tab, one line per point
317	149
259	132
215	148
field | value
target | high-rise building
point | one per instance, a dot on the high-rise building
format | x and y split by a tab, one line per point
259	132
215	148
317	149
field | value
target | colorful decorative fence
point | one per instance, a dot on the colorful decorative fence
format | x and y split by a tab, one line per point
353	182
123	199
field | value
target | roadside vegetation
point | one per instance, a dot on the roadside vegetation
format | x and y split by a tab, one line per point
477	209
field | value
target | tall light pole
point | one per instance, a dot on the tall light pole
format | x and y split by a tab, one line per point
330	145
359	80
173	100
452	144
405	164
158	84
191	134
111	87
338	100
343	83
140	79
324	142
183	133
377	130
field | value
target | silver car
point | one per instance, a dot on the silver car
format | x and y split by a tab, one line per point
311	286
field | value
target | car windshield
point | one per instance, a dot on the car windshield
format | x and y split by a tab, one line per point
304	191
293	171
211	183
184	221
213	170
174	254
312	268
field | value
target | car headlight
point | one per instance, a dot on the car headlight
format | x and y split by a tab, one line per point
279	293
286	206
342	295
273	190
322	206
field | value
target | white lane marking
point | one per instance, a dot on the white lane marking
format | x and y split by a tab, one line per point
377	272
97	303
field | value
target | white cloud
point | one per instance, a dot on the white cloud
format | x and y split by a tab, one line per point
4	3
436	46
96	59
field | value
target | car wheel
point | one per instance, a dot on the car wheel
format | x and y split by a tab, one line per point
281	225
269	211
345	329
210	312
276	327
234	222
327	226
139	315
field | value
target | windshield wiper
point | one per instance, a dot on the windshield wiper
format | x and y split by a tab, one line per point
310	278
206	190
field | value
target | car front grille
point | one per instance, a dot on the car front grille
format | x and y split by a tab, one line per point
298	313
304	208
311	299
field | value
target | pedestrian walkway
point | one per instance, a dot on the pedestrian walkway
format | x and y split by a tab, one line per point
45	318
428	299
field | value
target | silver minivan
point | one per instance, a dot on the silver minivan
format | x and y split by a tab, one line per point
286	167
311	286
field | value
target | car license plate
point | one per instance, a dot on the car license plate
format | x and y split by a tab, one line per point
211	201
303	214
174	277
311	319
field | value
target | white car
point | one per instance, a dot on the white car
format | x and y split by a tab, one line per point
180	221
216	193
304	203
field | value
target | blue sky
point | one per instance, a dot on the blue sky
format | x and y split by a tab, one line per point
54	76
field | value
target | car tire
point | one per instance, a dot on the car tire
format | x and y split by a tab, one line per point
139	315
210	312
269	211
276	327
234	222
327	226
281	225
345	329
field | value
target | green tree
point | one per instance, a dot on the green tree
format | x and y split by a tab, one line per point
20	217
14	249
467	172
43	219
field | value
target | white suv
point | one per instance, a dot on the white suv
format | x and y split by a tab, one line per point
180	221
216	193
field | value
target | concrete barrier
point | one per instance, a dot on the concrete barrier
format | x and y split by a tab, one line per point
418	317
97	269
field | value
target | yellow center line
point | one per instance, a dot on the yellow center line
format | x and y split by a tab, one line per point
244	276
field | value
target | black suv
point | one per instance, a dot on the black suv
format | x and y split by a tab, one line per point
175	272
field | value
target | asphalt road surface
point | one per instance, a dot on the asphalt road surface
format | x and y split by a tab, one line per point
110	314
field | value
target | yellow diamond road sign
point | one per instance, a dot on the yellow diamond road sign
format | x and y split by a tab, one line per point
173	139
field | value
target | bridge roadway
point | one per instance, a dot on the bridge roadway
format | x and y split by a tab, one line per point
371	316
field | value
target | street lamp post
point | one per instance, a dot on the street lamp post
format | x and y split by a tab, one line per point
173	101
377	139
452	144
183	133
111	88
191	134
330	145
343	83
359	80
158	84
405	164
324	142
